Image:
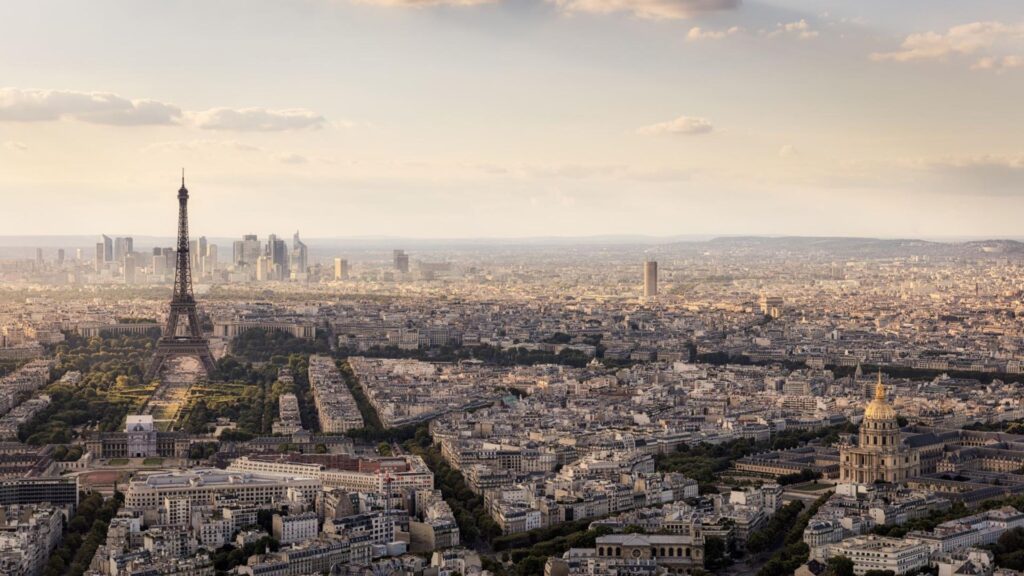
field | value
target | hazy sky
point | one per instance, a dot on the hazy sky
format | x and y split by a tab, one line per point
466	118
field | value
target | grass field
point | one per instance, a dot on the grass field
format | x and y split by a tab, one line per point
153	462
215	397
117	461
136	395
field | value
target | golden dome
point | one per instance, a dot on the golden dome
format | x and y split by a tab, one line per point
879	409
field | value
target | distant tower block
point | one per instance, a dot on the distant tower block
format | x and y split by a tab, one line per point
340	269
650	278
190	342
401	261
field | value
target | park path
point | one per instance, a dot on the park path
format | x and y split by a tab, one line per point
167	401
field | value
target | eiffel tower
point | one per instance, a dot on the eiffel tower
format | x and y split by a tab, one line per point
183	307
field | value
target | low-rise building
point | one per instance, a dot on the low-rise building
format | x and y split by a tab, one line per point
871	552
295	528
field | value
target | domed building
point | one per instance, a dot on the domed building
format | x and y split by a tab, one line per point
880	454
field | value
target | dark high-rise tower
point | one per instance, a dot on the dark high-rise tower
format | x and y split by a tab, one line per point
650	278
190	341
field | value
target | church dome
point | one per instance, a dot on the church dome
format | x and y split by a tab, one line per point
879	409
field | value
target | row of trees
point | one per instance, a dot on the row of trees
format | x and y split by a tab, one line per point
531	560
299	364
370	417
705	462
121	355
229	557
1009	549
373	430
958	510
540	536
9	366
254	407
83	534
68	409
794	551
476	526
484	353
68	453
771	536
1012	427
805	475
110	366
926	523
259	345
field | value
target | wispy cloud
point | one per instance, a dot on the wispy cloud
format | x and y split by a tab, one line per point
798	29
697	33
425	3
28	105
998	63
979	175
258	119
293	159
652	9
998	45
683	125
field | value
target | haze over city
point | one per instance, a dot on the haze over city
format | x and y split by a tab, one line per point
511	288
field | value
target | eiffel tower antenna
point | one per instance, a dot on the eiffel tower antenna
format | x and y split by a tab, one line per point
191	341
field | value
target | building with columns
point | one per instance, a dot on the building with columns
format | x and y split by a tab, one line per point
880	454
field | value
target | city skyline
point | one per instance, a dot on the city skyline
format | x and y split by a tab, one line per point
511	288
540	118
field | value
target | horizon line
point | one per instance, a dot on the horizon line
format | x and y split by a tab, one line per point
696	238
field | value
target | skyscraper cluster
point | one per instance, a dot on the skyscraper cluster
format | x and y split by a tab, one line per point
273	261
115	256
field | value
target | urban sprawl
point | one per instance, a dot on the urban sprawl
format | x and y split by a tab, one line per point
761	406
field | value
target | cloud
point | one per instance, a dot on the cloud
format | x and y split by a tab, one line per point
16	146
799	29
985	38
652	9
787	151
697	33
425	3
686	125
26	105
979	175
996	63
258	119
293	159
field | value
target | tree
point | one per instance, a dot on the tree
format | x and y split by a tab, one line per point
1009	549
1012	540
839	566
714	552
384	449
